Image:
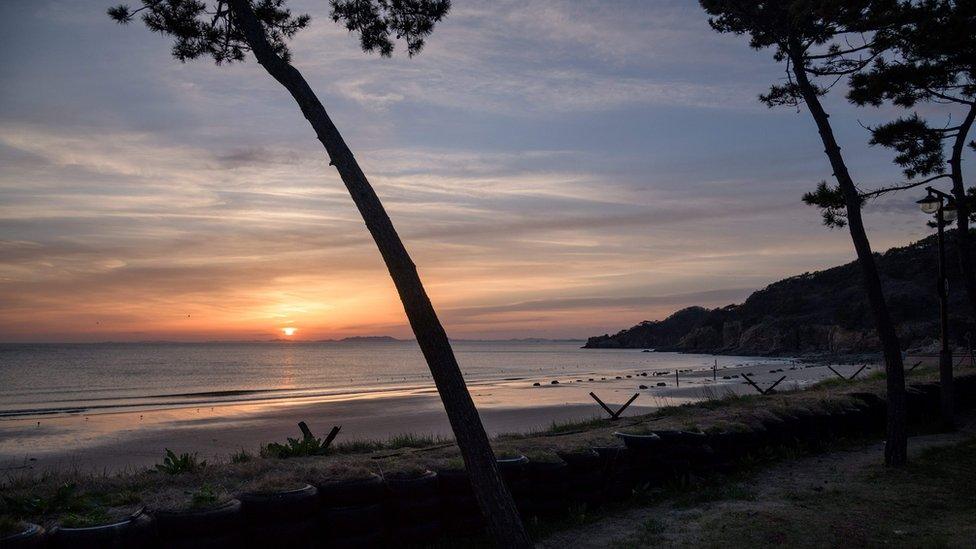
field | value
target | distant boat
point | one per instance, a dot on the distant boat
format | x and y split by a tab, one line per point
647	350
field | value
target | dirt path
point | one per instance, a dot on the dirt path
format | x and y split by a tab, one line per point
842	498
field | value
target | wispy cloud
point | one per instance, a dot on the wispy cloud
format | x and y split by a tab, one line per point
555	168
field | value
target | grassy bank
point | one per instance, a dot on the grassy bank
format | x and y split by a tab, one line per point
844	499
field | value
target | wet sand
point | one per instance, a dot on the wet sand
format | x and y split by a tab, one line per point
120	440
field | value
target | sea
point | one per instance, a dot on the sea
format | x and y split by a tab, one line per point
46	379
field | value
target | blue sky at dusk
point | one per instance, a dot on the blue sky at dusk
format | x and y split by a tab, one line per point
557	169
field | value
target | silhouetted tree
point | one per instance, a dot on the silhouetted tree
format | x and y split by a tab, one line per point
225	30
925	52
811	38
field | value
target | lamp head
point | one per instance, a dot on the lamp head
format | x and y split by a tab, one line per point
949	213
929	204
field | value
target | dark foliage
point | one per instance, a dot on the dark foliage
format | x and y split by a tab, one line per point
928	56
824	311
830	200
829	38
652	334
202	28
817	29
377	21
918	147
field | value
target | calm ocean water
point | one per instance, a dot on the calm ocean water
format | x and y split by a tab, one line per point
64	378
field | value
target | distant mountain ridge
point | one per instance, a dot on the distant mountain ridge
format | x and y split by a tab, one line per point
820	312
367	339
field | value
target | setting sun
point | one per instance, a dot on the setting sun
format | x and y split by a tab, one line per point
289	331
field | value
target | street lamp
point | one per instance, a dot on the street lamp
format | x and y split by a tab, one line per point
930	204
949	213
942	205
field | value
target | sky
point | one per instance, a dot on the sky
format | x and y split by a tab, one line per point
556	169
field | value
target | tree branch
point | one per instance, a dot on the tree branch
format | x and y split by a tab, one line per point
884	190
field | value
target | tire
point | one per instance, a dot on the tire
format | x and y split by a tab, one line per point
31	537
682	437
423	486
413	501
460	513
581	460
617	472
219	524
585	478
352	521
454	481
288	506
276	518
548	489
353	512
640	443
350	493
137	530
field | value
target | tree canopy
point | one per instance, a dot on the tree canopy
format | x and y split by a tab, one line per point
208	29
827	38
921	51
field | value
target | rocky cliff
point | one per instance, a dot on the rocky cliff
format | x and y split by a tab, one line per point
819	312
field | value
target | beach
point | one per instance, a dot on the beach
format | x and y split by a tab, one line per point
128	438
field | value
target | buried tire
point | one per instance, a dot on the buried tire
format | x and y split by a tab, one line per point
216	527
137	530
352	511
415	507
30	537
275	518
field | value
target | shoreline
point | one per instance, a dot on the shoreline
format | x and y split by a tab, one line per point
123	440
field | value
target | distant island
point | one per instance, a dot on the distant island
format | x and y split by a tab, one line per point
365	339
823	312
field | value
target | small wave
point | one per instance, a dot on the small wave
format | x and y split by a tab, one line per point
204	398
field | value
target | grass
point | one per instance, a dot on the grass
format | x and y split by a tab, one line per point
650	534
9	525
204	498
557	428
396	442
74	507
293	447
927	504
697	495
179	464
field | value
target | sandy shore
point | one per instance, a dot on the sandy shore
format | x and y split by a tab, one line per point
121	440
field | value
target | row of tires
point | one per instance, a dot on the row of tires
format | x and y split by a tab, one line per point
417	508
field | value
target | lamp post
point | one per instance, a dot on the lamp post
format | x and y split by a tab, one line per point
943	207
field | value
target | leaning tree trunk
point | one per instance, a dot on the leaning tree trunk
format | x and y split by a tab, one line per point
496	502
964	250
963	238
896	445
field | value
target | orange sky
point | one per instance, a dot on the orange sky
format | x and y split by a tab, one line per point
556	170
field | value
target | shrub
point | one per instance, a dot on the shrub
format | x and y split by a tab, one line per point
9	525
65	499
205	497
178	464
308	446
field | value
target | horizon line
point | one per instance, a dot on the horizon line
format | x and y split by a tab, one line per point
350	339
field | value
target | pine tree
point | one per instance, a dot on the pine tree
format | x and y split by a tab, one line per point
813	39
225	31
